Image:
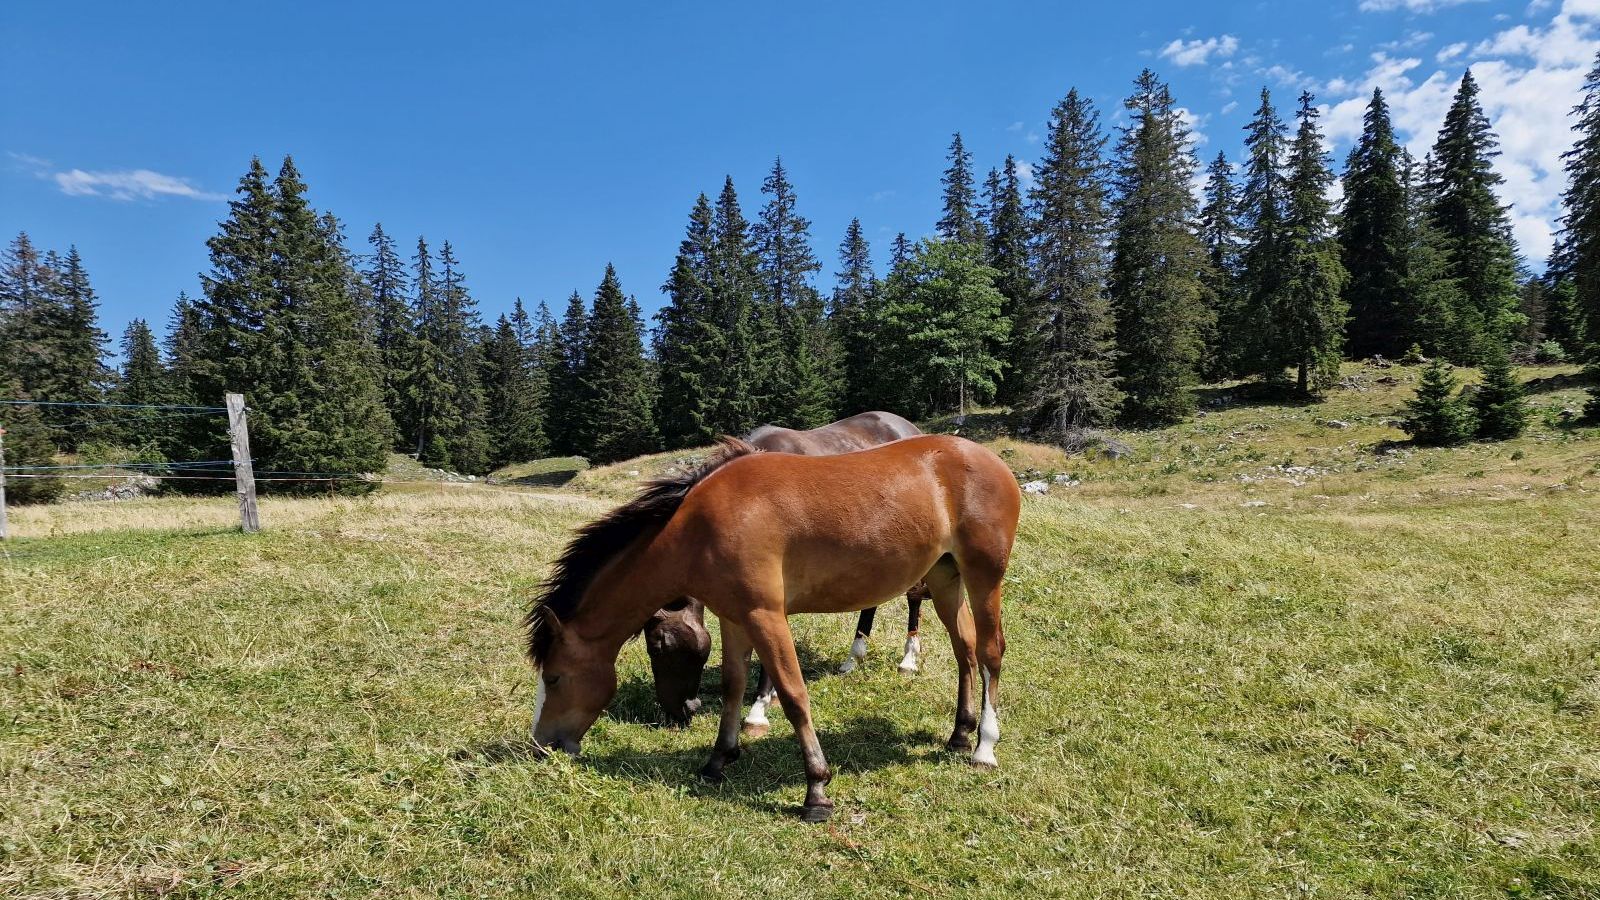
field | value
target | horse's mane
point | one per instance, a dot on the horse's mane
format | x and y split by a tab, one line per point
598	542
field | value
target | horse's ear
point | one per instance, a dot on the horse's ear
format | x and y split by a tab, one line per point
554	625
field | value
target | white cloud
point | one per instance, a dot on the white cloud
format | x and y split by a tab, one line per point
128	184
1014	126
1230	107
1411	6
1194	122
1529	78
1451	52
1198	52
1025	172
120	184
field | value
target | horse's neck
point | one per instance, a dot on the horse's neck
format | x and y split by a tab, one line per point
626	593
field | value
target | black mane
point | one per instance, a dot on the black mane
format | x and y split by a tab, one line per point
599	541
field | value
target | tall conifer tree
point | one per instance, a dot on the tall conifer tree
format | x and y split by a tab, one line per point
1009	230
1224	243
614	421
1373	238
798	379
959	221
392	327
1064	339
1312	312
1263	206
1156	292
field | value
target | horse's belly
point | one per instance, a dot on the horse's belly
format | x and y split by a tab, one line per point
863	583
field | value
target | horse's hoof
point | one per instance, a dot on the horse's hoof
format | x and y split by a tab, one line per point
909	668
959	745
816	812
755	729
848	666
712	776
984	765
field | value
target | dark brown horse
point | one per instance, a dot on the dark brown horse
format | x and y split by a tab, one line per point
677	672
758	537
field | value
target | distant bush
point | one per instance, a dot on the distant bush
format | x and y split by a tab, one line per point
1498	404
1414	356
1550	353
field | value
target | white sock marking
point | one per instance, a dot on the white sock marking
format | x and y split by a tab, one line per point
913	654
758	709
538	708
988	729
858	655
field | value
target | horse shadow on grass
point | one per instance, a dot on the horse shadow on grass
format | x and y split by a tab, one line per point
768	776
635	701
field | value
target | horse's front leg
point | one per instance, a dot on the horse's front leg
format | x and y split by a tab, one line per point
735	669
769	631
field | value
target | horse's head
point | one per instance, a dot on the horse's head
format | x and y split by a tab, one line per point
679	646
576	682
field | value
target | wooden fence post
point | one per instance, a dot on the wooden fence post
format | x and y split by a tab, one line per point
244	476
2	483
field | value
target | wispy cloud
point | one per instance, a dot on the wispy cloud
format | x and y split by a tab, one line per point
1413	6
1025	172
115	184
1199	51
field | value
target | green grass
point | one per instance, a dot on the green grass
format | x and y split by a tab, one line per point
552	471
1383	682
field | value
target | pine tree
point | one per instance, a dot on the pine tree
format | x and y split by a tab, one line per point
959	222
688	338
50	338
1575	266
1436	417
386	282
28	442
142	382
429	414
188	372
797	379
942	313
1432	294
81	347
1223	239
321	404
1264	206
1373	238
1312	312
469	446
614	421
235	348
852	313
26	291
1157	296
1064	339
567	344
1500	409
516	432
1474	225
899	252
734	388
1009	231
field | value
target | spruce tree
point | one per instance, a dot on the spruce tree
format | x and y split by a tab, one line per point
188	375
1010	231
80	349
430	414
614	421
516	432
1157	296
899	251
141	382
568	340
1312	312
959	221
26	290
688	338
1373	238
797	378
469	446
1264	206
29	442
736	382
852	313
1499	404
1474	226
1064	339
1432	294
1223	239
943	316
387	286
1575	266
1437	417
51	340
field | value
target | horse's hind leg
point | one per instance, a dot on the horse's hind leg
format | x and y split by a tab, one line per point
735	669
858	647
756	723
983	578
769	631
944	584
912	659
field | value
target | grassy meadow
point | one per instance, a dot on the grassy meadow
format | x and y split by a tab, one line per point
1274	651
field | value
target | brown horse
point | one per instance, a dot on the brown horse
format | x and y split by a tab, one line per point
758	537
677	671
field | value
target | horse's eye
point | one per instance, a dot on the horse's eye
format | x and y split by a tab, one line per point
550	680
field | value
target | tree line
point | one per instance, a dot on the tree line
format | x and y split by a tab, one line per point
1100	291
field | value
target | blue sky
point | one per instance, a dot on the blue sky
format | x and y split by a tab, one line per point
545	140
